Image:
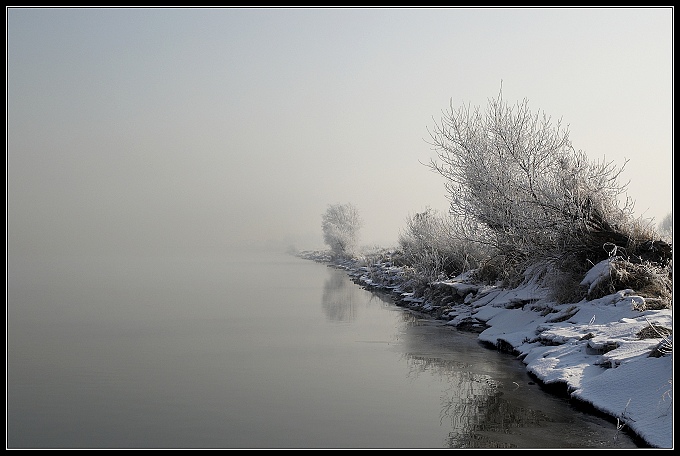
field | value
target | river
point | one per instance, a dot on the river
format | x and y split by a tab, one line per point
256	350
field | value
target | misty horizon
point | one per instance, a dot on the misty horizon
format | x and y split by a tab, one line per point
160	130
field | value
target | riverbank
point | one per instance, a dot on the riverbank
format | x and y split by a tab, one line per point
613	354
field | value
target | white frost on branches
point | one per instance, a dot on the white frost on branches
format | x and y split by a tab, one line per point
341	224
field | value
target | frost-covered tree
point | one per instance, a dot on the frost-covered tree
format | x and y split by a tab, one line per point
666	227
515	183
341	224
429	245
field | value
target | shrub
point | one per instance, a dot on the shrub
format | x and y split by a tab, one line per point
518	187
430	245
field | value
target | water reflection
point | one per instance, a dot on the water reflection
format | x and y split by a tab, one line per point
478	413
472	404
339	297
342	297
490	401
210	375
487	399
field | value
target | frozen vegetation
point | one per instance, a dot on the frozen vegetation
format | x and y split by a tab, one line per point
540	252
612	353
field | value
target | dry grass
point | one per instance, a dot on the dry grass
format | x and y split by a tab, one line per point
652	282
566	288
500	268
665	346
654	332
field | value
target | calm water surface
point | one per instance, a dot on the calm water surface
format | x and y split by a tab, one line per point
255	351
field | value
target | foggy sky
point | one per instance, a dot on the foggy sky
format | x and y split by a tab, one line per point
158	130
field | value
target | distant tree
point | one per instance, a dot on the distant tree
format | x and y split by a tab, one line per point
515	183
341	224
666	227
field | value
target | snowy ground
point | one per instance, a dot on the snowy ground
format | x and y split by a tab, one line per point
601	350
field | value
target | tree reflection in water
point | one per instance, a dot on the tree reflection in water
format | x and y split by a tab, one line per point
484	402
480	399
479	414
339	297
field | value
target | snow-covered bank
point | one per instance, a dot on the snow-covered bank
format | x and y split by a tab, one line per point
614	353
